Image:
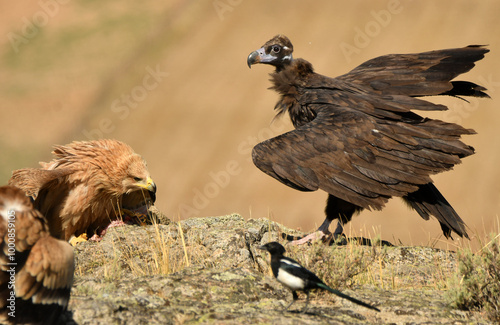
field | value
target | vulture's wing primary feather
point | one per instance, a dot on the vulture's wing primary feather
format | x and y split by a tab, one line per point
421	74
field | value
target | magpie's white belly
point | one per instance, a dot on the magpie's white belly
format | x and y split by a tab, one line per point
289	280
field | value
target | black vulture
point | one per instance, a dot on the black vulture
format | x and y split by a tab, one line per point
357	136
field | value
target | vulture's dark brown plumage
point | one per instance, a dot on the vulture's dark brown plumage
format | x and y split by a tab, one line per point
356	136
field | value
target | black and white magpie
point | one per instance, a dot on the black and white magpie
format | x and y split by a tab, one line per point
296	277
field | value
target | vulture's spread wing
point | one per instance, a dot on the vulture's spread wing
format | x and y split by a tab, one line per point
359	157
421	74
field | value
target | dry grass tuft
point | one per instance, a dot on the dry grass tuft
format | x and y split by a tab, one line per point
166	252
156	249
476	283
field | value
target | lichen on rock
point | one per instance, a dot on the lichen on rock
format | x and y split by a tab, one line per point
209	270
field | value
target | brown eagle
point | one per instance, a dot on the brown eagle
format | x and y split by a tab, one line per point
356	136
36	270
88	185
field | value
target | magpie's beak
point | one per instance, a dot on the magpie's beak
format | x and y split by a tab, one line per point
264	248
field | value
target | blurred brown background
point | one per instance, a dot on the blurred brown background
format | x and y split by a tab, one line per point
170	79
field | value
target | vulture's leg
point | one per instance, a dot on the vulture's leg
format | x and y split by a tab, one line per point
321	233
335	209
342	210
339	230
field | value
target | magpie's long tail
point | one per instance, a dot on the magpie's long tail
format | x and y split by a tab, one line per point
342	295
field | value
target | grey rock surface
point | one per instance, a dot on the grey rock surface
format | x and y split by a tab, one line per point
209	271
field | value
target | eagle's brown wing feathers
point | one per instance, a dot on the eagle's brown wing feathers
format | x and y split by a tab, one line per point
47	274
31	180
44	266
75	213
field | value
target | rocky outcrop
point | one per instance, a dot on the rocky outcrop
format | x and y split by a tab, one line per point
208	270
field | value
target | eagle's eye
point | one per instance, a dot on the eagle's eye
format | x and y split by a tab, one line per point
276	49
137	179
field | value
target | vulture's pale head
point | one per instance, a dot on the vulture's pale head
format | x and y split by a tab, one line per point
276	52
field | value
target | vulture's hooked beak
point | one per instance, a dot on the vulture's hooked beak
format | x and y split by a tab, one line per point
259	56
150	186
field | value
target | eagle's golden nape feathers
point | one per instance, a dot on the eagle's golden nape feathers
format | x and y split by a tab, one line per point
85	183
43	266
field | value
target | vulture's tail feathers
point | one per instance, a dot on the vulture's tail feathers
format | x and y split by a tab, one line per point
428	201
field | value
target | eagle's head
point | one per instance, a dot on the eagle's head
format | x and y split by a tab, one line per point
139	190
277	52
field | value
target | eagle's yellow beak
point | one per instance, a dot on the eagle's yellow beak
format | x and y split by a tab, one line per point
150	185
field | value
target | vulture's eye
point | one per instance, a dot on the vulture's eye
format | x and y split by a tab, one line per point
276	49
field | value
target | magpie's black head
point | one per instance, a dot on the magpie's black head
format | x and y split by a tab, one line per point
277	52
274	248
